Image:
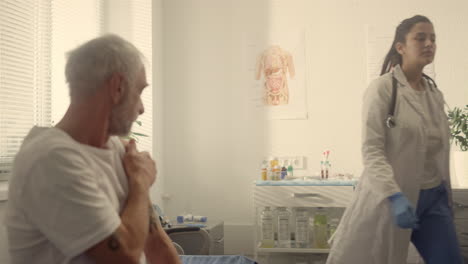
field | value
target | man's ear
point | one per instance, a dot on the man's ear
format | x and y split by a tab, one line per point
115	88
400	48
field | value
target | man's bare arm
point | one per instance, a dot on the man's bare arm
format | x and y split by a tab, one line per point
127	243
159	247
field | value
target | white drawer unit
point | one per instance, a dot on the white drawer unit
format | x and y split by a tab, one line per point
303	196
307	195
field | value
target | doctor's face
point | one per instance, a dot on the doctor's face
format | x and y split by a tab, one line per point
420	46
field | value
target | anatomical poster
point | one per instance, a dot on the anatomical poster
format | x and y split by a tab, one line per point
277	70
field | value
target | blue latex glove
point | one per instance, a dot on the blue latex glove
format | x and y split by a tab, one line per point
403	211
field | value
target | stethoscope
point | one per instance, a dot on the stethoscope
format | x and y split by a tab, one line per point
390	121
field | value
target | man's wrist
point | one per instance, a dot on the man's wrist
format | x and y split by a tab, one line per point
138	185
138	190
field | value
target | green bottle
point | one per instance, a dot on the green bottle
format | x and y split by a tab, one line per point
290	170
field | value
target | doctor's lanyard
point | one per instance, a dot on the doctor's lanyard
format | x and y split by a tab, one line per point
390	121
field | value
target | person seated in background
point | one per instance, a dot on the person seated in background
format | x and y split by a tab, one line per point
79	194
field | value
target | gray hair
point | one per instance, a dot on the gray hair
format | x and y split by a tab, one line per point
94	62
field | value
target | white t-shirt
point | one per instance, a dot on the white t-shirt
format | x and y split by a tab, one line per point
432	176
64	197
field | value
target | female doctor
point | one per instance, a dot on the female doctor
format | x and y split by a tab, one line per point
404	192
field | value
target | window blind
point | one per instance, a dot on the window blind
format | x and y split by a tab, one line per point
34	38
73	23
24	74
141	28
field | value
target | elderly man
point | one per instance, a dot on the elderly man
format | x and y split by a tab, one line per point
79	194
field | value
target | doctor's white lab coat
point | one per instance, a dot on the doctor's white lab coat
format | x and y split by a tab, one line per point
393	162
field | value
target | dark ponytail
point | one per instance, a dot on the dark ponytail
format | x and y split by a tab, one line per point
393	58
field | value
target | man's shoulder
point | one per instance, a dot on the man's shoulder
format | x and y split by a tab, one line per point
41	146
42	149
40	142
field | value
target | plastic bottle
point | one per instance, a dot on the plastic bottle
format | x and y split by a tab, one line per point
332	227
180	219
277	173
327	167
200	218
270	175
290	170
264	173
188	218
267	235
320	228
311	231
322	170
284	231
302	228
284	172
273	162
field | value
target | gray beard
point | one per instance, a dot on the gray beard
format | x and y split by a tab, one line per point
120	123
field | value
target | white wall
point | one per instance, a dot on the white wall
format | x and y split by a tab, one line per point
158	99
212	141
213	137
